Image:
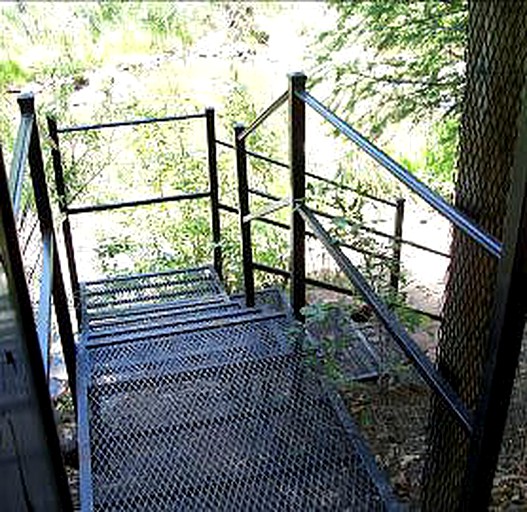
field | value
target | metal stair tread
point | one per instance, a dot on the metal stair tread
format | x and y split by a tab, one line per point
244	316
153	280
163	319
149	360
123	315
147	300
196	402
282	442
173	401
120	292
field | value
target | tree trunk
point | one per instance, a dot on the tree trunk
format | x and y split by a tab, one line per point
495	78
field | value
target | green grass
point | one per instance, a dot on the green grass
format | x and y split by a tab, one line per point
11	74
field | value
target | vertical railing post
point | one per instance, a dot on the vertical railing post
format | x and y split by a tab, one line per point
506	336
214	191
60	300
245	224
297	161
395	269
63	206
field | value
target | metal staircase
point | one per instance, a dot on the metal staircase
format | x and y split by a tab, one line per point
190	401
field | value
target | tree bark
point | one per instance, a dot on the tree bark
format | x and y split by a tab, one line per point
495	77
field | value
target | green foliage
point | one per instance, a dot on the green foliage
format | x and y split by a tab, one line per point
271	245
327	337
241	23
407	56
90	34
11	73
164	20
348	206
436	165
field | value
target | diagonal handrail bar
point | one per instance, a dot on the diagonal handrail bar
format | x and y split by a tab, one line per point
20	154
458	218
276	104
426	369
50	254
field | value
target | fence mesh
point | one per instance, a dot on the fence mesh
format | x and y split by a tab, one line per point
495	78
30	241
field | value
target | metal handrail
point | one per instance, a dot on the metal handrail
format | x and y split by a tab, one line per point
286	227
459	219
44	303
138	202
133	122
52	283
16	184
426	369
20	154
263	116
334	183
351	189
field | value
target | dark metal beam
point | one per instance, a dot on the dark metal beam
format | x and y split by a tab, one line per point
395	270
14	269
214	191
139	202
136	122
297	164
244	211
507	326
425	368
458	218
45	216
63	206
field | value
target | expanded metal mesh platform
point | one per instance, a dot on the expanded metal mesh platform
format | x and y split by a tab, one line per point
214	411
116	295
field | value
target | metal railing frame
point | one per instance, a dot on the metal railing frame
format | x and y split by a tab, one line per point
248	266
66	210
36	325
486	426
28	151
